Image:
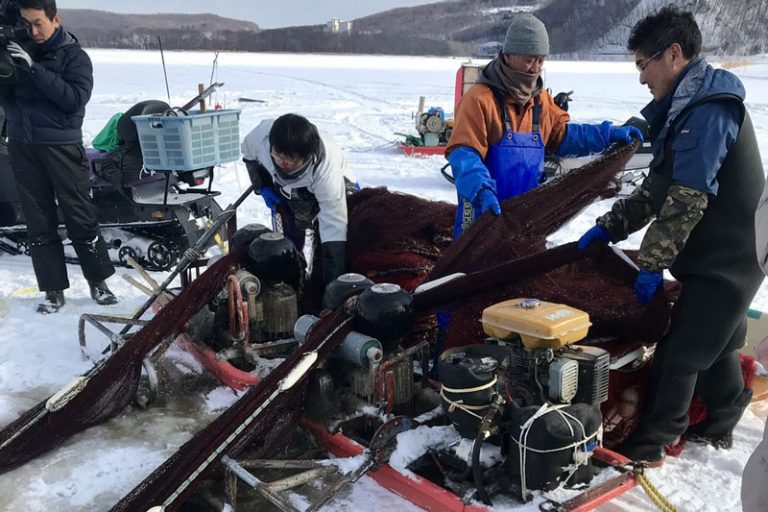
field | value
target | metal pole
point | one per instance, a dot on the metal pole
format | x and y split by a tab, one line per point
191	254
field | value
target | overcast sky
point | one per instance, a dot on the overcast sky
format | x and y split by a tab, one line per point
266	13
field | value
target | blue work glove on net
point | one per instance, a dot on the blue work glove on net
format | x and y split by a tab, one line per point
488	201
646	285
270	198
624	134
597	233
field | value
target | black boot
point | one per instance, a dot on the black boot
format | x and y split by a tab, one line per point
101	293
648	453
717	428
54	300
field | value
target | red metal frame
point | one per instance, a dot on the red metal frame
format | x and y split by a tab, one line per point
421	150
419	491
458	90
433	498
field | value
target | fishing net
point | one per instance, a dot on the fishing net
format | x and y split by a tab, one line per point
262	420
392	237
110	385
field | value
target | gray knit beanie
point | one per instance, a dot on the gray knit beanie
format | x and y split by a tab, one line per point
526	35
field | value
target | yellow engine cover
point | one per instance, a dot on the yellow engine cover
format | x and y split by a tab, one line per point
540	324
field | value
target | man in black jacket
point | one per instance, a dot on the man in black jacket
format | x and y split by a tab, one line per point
699	202
45	111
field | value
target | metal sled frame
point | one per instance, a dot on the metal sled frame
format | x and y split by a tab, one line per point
433	498
382	445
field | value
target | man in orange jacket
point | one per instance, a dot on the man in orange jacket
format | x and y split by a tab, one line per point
507	120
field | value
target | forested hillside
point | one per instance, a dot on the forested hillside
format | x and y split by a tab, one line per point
577	28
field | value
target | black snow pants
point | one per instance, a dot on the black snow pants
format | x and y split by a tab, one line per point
699	355
45	176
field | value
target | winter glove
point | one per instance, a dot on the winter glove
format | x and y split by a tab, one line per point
596	233
17	52
488	201
624	134
270	198
469	172
646	285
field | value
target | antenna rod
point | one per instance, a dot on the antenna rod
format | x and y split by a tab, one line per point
165	73
213	67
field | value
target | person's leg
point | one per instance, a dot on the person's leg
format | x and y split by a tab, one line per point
721	388
71	180
705	320
36	195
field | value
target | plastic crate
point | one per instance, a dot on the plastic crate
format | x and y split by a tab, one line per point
189	142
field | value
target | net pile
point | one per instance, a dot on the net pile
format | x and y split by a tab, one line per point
112	384
230	433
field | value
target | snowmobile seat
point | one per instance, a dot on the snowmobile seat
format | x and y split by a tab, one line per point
126	128
122	167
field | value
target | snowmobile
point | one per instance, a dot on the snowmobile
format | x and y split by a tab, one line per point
153	198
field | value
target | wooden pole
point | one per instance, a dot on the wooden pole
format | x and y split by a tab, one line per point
200	90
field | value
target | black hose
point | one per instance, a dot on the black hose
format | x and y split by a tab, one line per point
477	470
497	402
446	175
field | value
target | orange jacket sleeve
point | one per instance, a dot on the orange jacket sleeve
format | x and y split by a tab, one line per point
478	122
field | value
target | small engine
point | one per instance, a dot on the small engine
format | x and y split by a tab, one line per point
530	390
259	303
369	368
431	124
542	363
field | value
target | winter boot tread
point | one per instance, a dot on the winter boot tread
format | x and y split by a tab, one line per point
54	300
101	293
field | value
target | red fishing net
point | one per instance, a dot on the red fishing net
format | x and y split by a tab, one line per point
112	384
393	238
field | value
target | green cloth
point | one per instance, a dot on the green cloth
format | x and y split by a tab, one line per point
108	139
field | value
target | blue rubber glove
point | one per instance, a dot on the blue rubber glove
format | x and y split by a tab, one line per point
270	198
624	134
488	201
646	285
596	233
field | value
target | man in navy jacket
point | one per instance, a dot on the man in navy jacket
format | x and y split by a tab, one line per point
44	112
699	202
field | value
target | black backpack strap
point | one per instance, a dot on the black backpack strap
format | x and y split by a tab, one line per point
504	116
536	126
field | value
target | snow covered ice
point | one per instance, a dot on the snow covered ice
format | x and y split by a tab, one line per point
363	101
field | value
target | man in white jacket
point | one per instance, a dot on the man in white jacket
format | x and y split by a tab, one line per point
294	164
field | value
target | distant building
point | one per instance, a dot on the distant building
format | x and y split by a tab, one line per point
488	50
337	26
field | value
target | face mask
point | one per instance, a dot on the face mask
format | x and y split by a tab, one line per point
298	173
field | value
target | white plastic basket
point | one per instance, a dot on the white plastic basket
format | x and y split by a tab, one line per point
189	142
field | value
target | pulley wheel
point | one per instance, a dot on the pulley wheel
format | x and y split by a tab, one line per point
434	124
161	255
126	252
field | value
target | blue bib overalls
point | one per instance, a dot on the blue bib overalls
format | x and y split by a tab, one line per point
515	163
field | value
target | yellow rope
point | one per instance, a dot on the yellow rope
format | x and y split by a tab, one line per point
218	239
656	497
